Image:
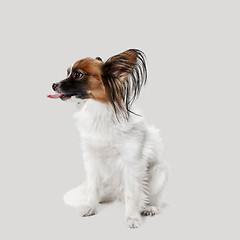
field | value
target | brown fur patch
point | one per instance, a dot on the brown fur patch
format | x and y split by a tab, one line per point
97	89
94	84
89	66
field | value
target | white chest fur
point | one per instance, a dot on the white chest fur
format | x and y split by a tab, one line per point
108	145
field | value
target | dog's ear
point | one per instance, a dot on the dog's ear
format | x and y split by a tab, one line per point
124	75
119	66
99	59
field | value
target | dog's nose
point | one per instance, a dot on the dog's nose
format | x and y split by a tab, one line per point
54	86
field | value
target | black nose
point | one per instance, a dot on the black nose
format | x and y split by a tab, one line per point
54	86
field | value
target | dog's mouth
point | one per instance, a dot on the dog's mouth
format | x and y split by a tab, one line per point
60	95
66	95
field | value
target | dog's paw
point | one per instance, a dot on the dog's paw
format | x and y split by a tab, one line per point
150	211
134	221
86	211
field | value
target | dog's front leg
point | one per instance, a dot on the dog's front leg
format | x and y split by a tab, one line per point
135	196
90	208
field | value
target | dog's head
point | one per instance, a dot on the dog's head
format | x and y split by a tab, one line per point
117	81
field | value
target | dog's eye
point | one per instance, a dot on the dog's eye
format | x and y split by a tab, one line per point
77	74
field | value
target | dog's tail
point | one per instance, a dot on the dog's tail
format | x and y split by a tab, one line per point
77	196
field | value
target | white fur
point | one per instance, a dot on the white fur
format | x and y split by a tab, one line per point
123	161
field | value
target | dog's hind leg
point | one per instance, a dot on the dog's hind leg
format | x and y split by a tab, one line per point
158	176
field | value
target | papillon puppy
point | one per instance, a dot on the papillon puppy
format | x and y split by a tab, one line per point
122	154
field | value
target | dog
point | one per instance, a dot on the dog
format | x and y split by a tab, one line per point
122	154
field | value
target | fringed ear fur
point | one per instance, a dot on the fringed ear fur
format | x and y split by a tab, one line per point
123	76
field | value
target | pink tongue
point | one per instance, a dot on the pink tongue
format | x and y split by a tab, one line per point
57	95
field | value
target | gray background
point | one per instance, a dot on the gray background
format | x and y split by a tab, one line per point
192	95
